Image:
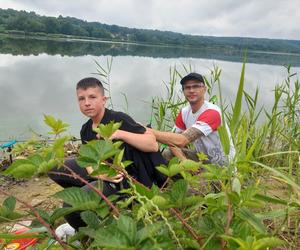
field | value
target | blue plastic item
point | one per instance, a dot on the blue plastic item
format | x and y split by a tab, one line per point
8	144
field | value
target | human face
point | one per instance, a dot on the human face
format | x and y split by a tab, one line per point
91	102
194	91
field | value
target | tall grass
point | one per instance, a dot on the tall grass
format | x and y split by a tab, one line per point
267	152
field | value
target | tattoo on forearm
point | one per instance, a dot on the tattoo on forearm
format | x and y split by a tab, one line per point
192	134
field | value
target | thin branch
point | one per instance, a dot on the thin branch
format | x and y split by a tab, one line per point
197	237
40	219
76	176
165	183
228	222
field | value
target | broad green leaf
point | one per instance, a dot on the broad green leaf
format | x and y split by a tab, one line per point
163	170
103	210
174	160
160	201
178	191
128	227
60	142
46	166
84	162
16	165
58	147
7	212
148	231
90	218
105	149
116	126
143	191
10	203
190	165
49	120
75	196
21	169
43	215
106	130
8	216
104	169
110	238
89	150
94	152
192	200
35	159
57	126
60	212
175	169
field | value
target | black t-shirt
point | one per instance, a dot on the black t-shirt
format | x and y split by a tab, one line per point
143	163
128	124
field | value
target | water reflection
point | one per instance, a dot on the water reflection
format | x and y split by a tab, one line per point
79	48
33	85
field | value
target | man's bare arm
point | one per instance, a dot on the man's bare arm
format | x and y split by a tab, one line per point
192	134
177	140
145	142
178	153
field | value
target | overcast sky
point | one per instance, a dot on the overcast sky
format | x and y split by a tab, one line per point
247	18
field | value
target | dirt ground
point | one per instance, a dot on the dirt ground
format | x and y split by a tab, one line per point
37	192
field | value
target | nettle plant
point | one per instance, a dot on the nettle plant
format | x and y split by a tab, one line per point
176	216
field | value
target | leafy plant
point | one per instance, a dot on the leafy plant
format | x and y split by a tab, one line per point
241	213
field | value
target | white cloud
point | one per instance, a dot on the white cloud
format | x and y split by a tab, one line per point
252	18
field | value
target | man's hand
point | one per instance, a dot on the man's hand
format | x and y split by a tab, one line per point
115	135
115	179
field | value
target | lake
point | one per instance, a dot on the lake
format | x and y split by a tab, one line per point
39	76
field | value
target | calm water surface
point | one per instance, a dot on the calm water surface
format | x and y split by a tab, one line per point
33	83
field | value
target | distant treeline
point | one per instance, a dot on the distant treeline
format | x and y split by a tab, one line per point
24	23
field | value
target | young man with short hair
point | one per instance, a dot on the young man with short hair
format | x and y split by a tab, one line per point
91	100
197	123
139	145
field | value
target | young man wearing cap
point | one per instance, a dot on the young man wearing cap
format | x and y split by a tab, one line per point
197	123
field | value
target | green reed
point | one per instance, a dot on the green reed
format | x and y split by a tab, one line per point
271	146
